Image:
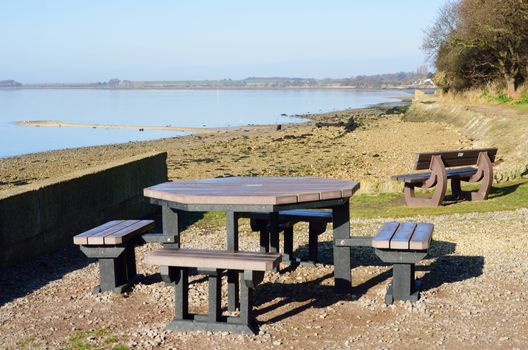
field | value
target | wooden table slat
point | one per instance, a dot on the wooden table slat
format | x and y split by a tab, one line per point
252	190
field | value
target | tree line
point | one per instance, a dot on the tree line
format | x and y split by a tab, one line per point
476	42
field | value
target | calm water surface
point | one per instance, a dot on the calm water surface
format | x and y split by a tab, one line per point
192	108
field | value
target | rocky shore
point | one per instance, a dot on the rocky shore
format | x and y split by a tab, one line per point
369	145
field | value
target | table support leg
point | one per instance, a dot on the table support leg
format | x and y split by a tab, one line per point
171	222
233	297
274	234
342	266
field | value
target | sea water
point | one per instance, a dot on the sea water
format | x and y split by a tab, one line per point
184	108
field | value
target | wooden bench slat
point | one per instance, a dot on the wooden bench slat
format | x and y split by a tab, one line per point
421	239
98	238
419	177
82	238
403	235
214	259
307	215
384	235
129	232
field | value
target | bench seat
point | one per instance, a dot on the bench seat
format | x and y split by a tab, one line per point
403	245
113	244
114	232
421	177
473	165
317	221
214	259
250	267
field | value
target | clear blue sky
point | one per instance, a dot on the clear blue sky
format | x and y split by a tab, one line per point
96	40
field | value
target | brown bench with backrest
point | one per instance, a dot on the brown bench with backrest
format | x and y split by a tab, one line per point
317	222
113	244
461	164
250	266
403	245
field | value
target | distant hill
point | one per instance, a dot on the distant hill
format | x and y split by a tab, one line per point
378	81
9	83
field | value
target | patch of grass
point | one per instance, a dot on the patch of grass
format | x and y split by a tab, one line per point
523	107
505	196
508	196
99	338
500	98
120	347
399	109
30	343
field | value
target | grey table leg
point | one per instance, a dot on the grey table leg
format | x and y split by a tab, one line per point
342	266
181	309
215	295
274	234
171	222
233	298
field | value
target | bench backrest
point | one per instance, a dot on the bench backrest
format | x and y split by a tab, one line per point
453	158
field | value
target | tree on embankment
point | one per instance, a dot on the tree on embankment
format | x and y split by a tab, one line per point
476	42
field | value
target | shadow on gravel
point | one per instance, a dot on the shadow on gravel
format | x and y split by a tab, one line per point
22	279
444	269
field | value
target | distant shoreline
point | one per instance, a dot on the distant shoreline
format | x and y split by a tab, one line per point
73	87
59	124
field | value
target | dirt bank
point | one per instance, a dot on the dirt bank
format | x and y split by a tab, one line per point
488	125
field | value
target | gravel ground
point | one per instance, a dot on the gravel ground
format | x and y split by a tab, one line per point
474	296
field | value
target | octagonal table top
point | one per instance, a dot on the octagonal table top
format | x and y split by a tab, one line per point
252	190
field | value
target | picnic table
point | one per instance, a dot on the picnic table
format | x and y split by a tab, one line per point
236	195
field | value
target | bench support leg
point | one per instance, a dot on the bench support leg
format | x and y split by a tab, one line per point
117	267
215	295
113	274
181	288
438	180
214	321
456	188
484	174
287	257
264	240
403	286
130	254
233	296
247	318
